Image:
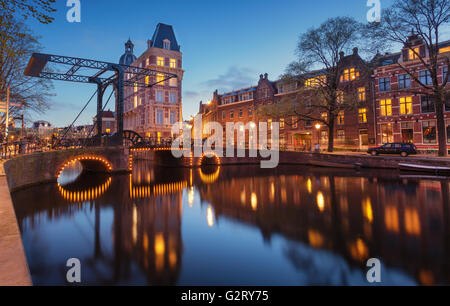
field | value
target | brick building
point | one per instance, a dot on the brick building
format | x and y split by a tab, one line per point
109	123
151	112
405	113
354	127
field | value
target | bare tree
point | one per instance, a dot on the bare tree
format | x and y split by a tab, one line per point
40	10
320	50
32	93
427	19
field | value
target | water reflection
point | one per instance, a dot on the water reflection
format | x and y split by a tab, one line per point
164	226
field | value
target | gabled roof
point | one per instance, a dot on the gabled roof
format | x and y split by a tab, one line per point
163	32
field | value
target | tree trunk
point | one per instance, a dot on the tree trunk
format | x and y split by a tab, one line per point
331	135
441	128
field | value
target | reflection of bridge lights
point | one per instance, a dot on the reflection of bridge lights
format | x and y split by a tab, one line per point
320	202
137	192
254	201
209	178
210	216
191	196
209	155
102	160
85	195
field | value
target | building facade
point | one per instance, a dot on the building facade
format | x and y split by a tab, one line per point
354	128
405	110
152	111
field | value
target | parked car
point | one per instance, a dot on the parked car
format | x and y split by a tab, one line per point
404	149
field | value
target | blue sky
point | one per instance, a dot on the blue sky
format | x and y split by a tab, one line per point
226	44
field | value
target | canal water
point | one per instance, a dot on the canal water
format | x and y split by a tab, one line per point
237	226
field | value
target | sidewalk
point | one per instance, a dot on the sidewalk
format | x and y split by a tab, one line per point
13	264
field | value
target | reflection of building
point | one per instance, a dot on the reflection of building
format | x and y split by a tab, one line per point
404	111
354	125
108	123
152	111
359	218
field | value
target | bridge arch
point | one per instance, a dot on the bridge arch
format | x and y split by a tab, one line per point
209	158
89	162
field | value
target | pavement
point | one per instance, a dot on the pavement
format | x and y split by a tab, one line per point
13	264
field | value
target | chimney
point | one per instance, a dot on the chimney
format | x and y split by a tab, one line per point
266	75
149	43
261	76
341	54
355	51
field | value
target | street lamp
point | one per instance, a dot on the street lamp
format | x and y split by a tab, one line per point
318	127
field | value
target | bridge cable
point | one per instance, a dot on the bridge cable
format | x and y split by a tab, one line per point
84	108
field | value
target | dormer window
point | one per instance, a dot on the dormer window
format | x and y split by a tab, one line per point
414	54
166	44
349	75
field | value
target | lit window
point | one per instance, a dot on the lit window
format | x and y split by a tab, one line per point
135	87
387	133
340	118
386	107
349	75
173	63
160	79
363	115
160	61
429	131
315	82
135	101
413	54
269	123
147	80
324	117
406	106
362	94
282	124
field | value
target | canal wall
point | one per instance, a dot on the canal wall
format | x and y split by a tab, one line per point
13	264
44	167
337	160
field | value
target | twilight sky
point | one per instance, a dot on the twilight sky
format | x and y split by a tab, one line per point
226	44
